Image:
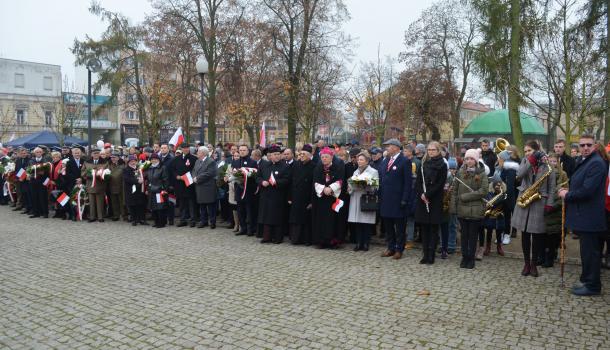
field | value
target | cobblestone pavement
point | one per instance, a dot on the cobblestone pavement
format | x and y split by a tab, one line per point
113	286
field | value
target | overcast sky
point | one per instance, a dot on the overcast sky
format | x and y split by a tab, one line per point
43	31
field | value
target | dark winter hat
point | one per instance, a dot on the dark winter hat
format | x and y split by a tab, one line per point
307	148
274	149
354	152
154	156
184	145
132	157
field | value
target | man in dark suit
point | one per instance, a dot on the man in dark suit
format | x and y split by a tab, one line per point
166	159
185	194
585	213
246	206
395	187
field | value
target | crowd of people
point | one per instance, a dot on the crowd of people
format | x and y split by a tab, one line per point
330	196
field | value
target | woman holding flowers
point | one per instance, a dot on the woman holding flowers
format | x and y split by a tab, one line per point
365	180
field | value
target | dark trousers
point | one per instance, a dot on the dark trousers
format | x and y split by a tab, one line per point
160	217
226	213
136	212
115	205
300	233
40	200
247	216
207	211
26	195
187	209
445	235
395	233
489	232
532	244
469	232
429	238
591	258
362	233
170	212
273	233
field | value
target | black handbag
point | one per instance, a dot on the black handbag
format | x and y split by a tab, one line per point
369	202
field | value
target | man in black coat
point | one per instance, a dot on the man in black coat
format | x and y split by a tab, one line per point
299	198
273	179
185	195
376	158
166	159
567	163
24	196
586	213
489	156
38	189
246	202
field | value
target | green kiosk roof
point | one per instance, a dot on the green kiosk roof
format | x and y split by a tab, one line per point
497	123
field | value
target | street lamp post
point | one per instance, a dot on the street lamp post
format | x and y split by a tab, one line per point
202	69
93	65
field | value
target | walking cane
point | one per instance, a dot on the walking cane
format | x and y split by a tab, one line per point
562	251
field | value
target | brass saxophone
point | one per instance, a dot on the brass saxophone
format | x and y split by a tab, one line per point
495	212
532	193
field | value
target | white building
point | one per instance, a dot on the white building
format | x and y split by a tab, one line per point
30	97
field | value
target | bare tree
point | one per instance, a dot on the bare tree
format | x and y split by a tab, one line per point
444	37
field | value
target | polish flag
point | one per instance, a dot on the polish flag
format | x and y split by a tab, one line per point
178	138
21	174
63	199
46	182
187	178
160	198
171	198
272	180
337	205
263	136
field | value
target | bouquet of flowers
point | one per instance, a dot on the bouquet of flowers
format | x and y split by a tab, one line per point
363	181
222	172
78	191
144	165
38	169
242	173
7	169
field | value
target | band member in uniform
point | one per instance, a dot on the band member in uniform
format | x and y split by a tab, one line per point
115	185
96	187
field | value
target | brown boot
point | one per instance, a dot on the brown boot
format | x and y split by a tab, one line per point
526	269
500	249
487	249
387	253
534	271
397	256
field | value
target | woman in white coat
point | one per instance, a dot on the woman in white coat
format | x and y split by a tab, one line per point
363	222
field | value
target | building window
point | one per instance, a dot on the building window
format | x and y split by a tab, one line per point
131	115
19	80
47	83
20	113
48	118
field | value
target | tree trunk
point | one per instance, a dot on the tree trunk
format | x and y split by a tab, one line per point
515	74
455	121
293	101
607	113
251	137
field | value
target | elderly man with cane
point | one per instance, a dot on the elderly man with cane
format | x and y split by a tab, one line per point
585	213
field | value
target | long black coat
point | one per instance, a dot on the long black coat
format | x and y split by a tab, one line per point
435	171
179	166
166	162
300	192
325	220
395	187
73	171
272	204
132	198
156	181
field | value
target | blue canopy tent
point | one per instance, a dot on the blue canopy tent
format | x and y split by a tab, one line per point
44	138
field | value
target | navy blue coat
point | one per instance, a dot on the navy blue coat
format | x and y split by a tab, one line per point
585	201
394	187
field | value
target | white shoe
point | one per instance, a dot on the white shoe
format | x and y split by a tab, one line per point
506	239
479	255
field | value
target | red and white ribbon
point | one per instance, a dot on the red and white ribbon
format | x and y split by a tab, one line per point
7	190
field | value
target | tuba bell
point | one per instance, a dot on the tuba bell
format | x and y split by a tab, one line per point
500	145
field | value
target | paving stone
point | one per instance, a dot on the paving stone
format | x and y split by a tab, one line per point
114	286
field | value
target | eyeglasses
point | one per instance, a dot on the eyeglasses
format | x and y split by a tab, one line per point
432	149
583	145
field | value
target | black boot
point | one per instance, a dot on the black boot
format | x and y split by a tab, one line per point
431	256
549	259
463	263
424	260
